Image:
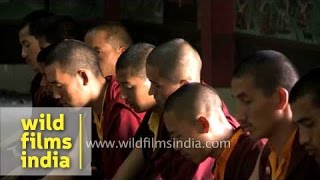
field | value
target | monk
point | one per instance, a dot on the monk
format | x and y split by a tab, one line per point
73	69
304	99
29	30
131	74
110	41
205	124
261	85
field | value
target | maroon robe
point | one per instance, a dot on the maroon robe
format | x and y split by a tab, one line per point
243	158
120	123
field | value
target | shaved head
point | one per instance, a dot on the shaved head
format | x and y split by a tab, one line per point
176	60
196	98
269	69
131	75
134	58
73	55
115	34
110	41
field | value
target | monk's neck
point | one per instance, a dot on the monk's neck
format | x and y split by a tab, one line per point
99	96
280	136
227	135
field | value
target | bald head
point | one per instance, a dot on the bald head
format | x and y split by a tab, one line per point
196	98
176	60
269	69
73	55
110	41
134	58
114	34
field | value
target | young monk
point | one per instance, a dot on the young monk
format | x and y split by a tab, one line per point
30	28
110	41
73	70
205	124
261	85
131	74
304	99
51	30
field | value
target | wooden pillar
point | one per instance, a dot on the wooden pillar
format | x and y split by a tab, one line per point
217	21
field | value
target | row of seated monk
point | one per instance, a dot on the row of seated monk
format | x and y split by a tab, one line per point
141	90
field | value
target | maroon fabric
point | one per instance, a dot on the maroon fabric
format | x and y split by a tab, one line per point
234	123
302	166
120	123
178	167
243	158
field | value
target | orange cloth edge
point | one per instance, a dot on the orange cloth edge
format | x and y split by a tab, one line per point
279	172
98	120
223	158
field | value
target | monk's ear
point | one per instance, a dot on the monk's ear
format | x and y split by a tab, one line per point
83	77
204	124
183	82
283	98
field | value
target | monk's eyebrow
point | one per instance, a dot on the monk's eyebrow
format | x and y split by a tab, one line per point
240	95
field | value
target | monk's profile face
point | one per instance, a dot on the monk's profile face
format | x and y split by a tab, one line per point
160	88
307	115
67	88
256	112
107	53
186	138
135	89
30	47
